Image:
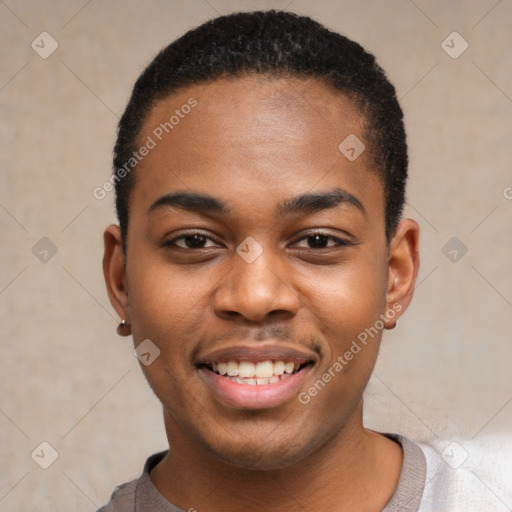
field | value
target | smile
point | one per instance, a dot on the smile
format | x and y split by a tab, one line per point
249	375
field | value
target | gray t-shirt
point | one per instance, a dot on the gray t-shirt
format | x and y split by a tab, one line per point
142	496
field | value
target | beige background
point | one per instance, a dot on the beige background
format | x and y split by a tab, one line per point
69	380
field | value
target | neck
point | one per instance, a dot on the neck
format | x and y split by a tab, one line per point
356	470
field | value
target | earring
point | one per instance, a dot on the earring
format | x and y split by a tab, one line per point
123	329
392	326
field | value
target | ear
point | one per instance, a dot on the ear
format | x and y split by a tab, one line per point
403	265
114	271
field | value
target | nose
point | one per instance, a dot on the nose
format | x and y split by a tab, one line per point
256	291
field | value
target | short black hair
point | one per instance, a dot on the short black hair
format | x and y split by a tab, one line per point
272	43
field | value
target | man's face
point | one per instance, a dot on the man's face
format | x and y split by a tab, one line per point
285	261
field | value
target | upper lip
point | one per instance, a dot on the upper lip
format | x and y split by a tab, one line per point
257	352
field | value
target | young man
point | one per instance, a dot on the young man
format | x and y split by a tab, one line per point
260	170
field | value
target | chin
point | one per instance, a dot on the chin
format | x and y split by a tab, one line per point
256	459
263	452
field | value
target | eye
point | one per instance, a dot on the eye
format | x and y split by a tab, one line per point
320	241
192	241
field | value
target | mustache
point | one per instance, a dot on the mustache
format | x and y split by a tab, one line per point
264	333
268	332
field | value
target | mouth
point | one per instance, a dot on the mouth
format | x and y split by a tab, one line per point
256	377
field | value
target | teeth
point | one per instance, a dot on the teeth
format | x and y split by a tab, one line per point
264	369
222	367
289	367
279	368
252	374
232	368
245	369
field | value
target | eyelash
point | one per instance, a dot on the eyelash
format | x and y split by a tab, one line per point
172	243
339	242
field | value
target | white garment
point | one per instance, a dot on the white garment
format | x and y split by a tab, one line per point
468	475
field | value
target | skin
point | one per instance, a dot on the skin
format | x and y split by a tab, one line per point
253	143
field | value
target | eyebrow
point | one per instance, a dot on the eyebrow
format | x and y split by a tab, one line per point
304	203
318	201
191	201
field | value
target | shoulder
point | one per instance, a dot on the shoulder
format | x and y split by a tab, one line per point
122	499
468	474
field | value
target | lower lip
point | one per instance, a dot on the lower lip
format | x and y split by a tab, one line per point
246	396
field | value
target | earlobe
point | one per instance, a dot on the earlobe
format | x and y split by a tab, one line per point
114	272
124	328
403	265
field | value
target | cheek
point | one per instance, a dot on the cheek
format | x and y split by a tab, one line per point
346	307
166	305
345	319
154	282
348	298
166	308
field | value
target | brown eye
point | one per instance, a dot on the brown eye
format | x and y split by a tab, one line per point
320	241
192	241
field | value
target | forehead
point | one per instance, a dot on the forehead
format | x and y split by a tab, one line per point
244	136
257	112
